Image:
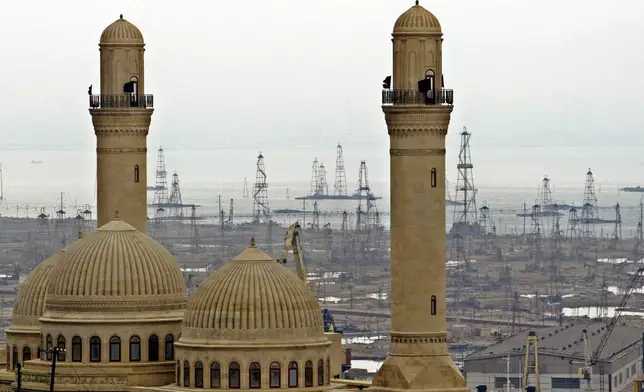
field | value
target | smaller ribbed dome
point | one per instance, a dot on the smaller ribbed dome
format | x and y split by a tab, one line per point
253	299
116	268
417	20
29	304
122	32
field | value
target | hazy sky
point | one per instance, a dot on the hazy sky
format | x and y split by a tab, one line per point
294	77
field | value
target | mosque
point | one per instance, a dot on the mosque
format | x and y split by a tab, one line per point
110	312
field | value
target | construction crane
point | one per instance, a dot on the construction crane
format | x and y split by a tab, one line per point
591	357
293	243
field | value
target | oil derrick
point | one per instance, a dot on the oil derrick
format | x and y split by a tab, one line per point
322	188
639	235
260	192
231	212
60	214
558	238
545	195
340	186
535	238
193	228
315	171
616	237
465	213
589	212
245	192
573	236
288	193
175	200
366	214
461	262
603	300
315	226
43	220
161	186
485	224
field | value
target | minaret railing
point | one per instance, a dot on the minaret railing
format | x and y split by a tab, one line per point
121	101
416	97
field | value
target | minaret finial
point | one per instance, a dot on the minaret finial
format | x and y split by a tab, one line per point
121	16
252	242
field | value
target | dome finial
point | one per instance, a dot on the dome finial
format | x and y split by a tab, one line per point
252	242
416	4
116	214
121	16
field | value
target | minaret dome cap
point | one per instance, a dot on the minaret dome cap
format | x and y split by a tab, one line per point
122	32
417	20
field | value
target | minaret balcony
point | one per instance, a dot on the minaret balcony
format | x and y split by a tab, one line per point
416	97
121	101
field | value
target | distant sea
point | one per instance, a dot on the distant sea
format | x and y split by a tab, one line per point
34	180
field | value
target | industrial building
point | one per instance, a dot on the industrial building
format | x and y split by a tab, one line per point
561	355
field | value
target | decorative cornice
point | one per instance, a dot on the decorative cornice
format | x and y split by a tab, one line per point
62	304
408	132
420	152
121	150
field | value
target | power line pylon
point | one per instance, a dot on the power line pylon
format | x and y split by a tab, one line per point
260	192
315	171
322	188
340	186
161	186
465	213
589	212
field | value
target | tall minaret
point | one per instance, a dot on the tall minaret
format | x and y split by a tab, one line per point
121	115
417	110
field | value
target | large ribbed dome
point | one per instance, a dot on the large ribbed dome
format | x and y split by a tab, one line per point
253	298
116	268
29	304
122	32
417	20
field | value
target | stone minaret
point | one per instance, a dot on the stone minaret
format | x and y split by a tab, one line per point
121	116
417	116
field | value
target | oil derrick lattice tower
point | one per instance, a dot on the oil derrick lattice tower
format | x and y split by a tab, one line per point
545	195
616	237
261	210
340	186
175	201
322	188
558	237
485	224
589	212
465	213
315	171
245	192
536	227
161	185
573	234
366	213
639	234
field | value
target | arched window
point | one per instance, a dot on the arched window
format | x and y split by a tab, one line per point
115	349
308	374
95	349
254	375
61	348
328	370
320	372
233	375
198	374
153	348
77	349
135	349
169	348
136	173
275	375
433	177
178	373
14	357
292	375
186	374
432	305
26	354
215	375
49	347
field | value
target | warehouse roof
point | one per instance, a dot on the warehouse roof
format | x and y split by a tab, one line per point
567	341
